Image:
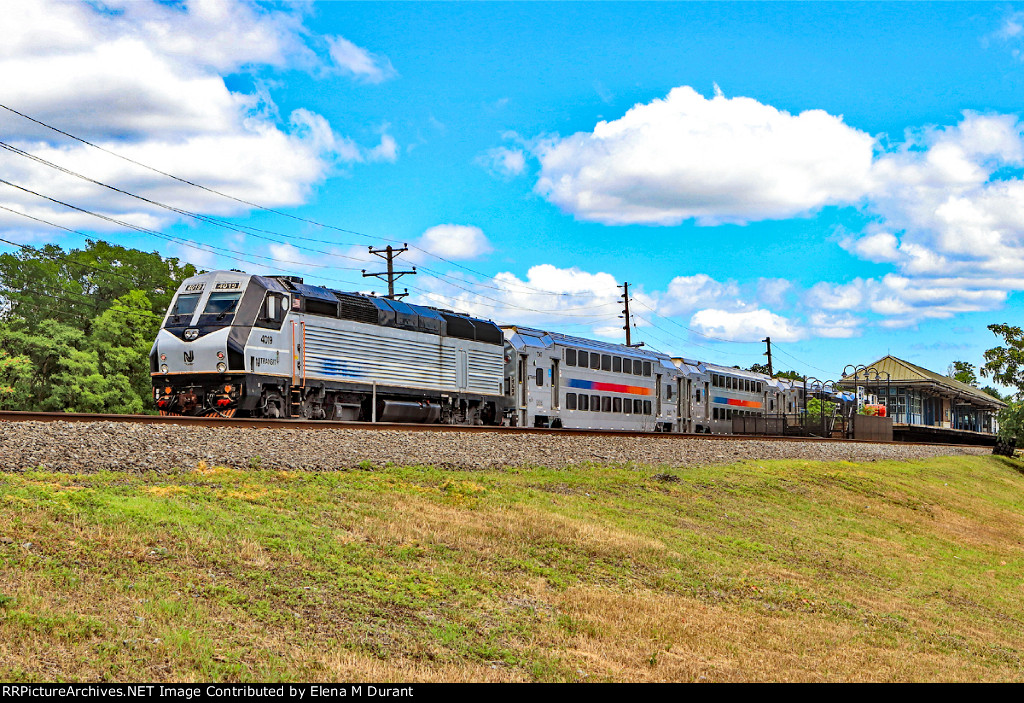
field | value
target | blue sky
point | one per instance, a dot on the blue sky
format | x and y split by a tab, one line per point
843	177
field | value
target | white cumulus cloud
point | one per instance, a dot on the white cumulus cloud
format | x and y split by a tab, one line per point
713	160
146	80
455	241
745	326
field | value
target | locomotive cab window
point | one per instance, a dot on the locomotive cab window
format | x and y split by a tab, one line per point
222	305
183	308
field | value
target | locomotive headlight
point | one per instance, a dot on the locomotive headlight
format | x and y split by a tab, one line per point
163	367
222	367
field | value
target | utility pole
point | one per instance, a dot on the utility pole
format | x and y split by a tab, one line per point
625	315
768	341
388	254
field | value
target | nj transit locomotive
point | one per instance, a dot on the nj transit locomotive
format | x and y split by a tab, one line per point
271	346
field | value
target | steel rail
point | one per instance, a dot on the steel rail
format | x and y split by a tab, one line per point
294	424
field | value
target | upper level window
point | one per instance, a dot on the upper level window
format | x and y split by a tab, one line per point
647	368
617	364
627	366
570	357
638	367
595	361
606	362
584	359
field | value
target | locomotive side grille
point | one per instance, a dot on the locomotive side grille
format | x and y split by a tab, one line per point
357	309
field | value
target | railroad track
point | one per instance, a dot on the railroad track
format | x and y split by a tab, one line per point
288	424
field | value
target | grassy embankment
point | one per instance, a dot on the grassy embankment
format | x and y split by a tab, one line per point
753	571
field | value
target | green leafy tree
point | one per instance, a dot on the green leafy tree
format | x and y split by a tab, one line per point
75	286
1011	423
1005	364
994	392
791	375
963	372
15	379
816	408
121	338
759	368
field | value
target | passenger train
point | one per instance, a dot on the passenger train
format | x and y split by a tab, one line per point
273	347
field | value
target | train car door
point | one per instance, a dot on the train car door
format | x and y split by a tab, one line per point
523	389
298	354
555	384
461	369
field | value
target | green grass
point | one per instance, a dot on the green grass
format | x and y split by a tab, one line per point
753	571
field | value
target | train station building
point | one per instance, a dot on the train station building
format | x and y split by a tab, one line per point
925	405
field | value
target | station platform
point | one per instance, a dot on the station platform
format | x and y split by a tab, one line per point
902	432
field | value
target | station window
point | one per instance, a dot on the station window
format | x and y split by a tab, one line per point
606	404
616	364
606	362
638	406
584	359
647	407
584	402
595	403
570	357
595	361
647	368
540	378
570	401
616	405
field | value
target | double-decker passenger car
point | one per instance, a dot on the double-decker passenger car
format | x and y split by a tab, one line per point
555	380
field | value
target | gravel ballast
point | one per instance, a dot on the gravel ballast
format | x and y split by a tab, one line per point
122	446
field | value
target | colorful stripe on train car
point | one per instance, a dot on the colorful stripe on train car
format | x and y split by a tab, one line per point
607	387
736	401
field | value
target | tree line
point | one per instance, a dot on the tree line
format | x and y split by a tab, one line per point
77	325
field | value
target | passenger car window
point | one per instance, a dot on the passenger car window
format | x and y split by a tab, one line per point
617	364
647	407
595	403
570	401
616	405
606	404
570	357
595	361
647	368
584	359
540	377
638	367
638	406
584	402
606	362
